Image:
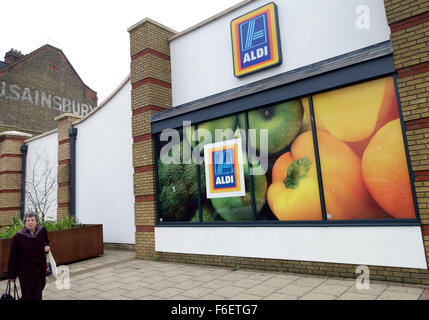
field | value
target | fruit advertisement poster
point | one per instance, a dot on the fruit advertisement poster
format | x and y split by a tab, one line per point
363	161
362	168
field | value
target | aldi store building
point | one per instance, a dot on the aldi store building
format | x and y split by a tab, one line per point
285	136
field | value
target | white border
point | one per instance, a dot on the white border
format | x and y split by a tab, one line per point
208	162
398	246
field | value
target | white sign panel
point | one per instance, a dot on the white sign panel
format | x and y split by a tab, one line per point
224	169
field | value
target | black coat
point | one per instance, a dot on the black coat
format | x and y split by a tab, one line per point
28	262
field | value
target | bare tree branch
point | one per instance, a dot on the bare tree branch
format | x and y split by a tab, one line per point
41	183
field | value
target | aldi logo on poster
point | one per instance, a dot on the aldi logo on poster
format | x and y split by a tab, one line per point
224	169
256	41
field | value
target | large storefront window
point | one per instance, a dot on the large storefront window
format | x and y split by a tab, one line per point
293	192
178	197
237	208
363	162
333	156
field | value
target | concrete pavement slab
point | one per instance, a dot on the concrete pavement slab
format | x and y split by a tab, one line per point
228	291
347	283
424	295
118	275
150	297
277	282
197	292
83	287
167	292
135	285
156	278
117	294
257	275
310	281
374	289
211	297
188	284
216	284
109	286
401	293
404	289
330	289
295	290
233	276
394	295
132	280
245	296
196	271
247	283
182	278
356	296
280	296
261	290
181	297
139	293
87	294
208	277
60	294
161	285
317	296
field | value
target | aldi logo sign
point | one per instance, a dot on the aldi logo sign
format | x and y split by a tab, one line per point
224	169
256	41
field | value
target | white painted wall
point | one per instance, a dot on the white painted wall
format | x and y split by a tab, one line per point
382	246
310	31
104	170
42	162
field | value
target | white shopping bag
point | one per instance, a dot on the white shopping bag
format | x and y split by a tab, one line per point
51	264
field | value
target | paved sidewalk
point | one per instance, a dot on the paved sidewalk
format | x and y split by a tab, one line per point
118	275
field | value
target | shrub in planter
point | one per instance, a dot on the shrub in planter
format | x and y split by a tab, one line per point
69	240
9	231
50	225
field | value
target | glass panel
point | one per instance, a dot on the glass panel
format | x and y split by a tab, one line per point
235	208
363	162
229	208
177	179
281	135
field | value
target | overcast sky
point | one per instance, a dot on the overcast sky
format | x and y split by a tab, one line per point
93	33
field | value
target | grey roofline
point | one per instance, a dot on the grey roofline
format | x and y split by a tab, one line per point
39	50
3	65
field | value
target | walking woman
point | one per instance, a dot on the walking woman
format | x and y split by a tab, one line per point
27	258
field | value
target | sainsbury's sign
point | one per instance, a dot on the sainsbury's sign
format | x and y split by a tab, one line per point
40	98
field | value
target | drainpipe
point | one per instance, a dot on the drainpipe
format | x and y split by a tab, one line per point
73	134
24	149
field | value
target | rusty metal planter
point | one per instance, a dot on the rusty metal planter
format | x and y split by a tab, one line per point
66	245
4	255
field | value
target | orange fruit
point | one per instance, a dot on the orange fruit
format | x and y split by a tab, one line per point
388	112
389	105
346	195
385	171
350	114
